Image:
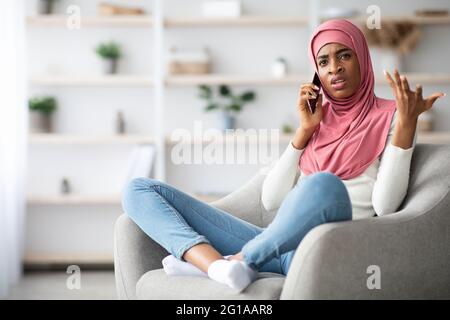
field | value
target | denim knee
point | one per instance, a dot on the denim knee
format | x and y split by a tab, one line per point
142	182
325	178
133	188
329	188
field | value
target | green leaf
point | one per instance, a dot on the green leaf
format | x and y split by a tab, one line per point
109	50
224	91
205	91
248	96
44	104
211	106
287	128
234	107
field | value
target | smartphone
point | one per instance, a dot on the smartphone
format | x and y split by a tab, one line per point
313	102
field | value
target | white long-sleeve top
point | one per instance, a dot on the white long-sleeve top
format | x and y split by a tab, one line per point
380	189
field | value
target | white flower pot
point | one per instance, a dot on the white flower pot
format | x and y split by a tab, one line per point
385	59
110	66
279	69
228	120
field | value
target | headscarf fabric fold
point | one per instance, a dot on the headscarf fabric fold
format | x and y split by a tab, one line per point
353	130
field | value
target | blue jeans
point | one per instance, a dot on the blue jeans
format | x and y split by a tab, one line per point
178	221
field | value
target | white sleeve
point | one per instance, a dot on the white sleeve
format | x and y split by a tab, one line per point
392	180
281	177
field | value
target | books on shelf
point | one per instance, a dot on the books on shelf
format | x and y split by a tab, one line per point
140	163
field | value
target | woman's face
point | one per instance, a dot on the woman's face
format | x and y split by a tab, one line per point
338	69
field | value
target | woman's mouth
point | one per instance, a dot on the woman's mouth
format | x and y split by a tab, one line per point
338	83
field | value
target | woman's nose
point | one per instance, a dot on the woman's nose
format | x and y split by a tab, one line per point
335	67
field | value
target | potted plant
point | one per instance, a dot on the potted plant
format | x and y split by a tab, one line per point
110	52
389	44
42	108
228	103
47	6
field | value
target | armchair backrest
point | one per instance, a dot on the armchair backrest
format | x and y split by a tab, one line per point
429	182
429	178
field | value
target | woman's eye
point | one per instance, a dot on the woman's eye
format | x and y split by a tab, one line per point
345	56
322	63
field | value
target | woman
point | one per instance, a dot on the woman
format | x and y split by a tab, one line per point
348	160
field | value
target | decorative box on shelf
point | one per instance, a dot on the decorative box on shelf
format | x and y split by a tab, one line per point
108	9
189	61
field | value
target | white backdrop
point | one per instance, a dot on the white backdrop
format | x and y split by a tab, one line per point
13	133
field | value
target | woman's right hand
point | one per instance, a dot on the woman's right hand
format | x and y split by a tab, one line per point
308	120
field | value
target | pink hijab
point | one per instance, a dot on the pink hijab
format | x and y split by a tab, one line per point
353	130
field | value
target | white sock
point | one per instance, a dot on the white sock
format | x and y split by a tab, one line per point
175	267
234	273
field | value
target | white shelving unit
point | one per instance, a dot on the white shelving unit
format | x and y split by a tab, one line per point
68	259
74	199
65	139
243	21
93	80
434	137
284	139
78	199
61	204
275	21
188	22
70	139
94	21
158	24
214	79
211	79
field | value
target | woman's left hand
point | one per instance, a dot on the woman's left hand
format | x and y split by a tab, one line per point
410	104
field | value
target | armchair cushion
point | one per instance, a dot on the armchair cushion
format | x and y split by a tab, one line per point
156	284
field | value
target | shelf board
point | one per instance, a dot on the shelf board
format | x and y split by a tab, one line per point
55	139
234	137
437	137
93	21
419	78
67	259
282	21
421	20
92	80
73	199
294	79
68	139
422	137
212	79
234	79
242	21
77	199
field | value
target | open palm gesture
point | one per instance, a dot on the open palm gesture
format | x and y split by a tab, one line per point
410	104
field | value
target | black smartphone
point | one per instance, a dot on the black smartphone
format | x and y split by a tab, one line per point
313	102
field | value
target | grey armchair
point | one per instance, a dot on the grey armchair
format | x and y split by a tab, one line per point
410	249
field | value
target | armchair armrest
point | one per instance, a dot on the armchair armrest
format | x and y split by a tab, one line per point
411	247
135	253
334	260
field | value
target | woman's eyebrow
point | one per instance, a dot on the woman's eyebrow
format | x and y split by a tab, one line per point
337	52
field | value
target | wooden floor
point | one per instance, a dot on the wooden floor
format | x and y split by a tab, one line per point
45	285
